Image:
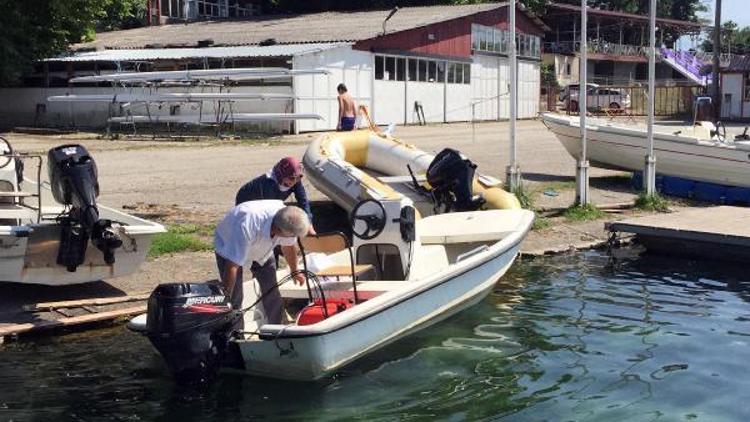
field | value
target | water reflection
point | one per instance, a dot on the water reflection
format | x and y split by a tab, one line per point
564	338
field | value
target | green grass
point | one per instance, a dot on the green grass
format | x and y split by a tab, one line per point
586	212
541	223
524	197
653	202
201	230
177	239
558	186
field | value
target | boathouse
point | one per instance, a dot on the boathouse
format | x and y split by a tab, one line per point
436	64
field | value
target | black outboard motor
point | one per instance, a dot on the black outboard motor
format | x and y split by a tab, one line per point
190	324
73	179
451	176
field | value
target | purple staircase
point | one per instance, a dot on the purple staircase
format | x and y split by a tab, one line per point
687	64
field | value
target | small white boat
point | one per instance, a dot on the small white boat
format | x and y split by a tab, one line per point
75	240
696	153
401	274
456	260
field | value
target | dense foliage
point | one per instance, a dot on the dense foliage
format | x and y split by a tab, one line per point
734	39
34	29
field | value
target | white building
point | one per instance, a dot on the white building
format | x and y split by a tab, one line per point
450	60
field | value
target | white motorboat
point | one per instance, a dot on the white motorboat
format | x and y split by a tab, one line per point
56	234
402	273
700	153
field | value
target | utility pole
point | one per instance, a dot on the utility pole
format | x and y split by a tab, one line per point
512	173
649	173
717	52
582	164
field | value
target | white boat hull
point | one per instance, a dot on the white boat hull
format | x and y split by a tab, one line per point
312	352
29	252
707	160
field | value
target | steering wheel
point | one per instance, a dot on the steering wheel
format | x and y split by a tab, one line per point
368	219
7	152
721	131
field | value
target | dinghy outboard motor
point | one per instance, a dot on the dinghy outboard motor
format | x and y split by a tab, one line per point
73	180
451	176
190	324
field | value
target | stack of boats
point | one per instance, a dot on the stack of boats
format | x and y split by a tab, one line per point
418	267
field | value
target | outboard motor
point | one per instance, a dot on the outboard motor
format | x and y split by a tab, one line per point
451	176
190	324
73	180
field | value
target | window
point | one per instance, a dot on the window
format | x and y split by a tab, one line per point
400	69
747	87
379	67
567	69
431	71
467	73
494	40
441	72
459	73
451	73
422	71
390	69
412	69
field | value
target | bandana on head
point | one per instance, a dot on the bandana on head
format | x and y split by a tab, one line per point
287	167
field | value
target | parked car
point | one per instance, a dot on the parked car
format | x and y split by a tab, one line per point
599	98
565	92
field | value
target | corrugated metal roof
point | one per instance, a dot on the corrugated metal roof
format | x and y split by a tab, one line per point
287	29
124	55
738	64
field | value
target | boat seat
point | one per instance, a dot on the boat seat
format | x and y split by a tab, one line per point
467	227
427	260
340	289
17	212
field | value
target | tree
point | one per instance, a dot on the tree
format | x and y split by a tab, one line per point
35	29
733	39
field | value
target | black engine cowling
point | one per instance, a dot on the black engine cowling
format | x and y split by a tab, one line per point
190	324
74	182
451	176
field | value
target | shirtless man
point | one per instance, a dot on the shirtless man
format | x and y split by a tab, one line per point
347	109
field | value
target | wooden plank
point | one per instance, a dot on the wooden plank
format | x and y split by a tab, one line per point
14	329
343	270
722	225
46	306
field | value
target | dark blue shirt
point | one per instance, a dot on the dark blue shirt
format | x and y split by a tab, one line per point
265	187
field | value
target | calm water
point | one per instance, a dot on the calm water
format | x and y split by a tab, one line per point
565	338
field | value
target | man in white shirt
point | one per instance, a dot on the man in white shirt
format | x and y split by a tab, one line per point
248	233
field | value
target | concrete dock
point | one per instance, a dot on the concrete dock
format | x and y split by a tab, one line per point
720	232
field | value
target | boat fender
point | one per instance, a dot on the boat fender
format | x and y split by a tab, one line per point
317	310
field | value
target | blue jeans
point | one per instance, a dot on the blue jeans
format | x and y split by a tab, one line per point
266	276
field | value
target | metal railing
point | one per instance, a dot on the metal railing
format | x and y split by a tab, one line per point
668	100
596	47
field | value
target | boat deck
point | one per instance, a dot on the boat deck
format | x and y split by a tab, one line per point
720	232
